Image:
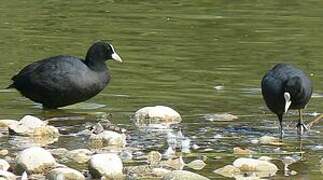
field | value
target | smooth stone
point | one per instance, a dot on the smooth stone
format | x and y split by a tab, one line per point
160	172
4	165
34	160
240	151
220	117
64	174
154	157
269	140
4	152
108	138
59	152
182	174
5	123
228	171
79	156
33	126
108	165
176	163
196	164
7	175
156	115
262	168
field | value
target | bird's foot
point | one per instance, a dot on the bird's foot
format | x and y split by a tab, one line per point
301	128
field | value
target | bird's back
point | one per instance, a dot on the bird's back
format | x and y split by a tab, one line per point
275	83
59	81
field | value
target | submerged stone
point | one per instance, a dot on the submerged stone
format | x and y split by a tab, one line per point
220	117
196	164
240	151
108	138
156	115
260	167
228	171
270	140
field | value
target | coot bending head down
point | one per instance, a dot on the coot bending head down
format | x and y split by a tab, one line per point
286	87
64	80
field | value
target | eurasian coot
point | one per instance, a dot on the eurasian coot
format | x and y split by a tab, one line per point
64	80
286	87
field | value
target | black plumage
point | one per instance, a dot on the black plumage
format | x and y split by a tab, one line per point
286	87
64	80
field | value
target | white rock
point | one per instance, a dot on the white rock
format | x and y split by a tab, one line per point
156	115
79	156
196	164
108	165
34	160
270	140
108	138
228	171
4	165
160	172
5	123
182	174
64	174
33	126
7	175
262	168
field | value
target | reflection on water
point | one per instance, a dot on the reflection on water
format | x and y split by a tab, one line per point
175	54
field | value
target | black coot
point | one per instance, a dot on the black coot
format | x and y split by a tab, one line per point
286	87
64	80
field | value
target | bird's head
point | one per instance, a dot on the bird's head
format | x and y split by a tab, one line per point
292	87
102	51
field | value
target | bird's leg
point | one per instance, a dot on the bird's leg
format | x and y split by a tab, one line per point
280	117
301	127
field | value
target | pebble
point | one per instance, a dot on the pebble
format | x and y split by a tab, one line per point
64	174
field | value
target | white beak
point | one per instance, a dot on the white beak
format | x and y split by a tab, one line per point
116	57
288	102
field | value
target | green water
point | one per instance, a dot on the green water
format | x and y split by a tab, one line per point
175	53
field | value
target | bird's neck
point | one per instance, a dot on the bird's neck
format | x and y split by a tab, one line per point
95	64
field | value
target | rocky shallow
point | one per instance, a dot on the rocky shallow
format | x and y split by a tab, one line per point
110	155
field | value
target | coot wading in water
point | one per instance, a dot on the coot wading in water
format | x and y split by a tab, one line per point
286	87
64	80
